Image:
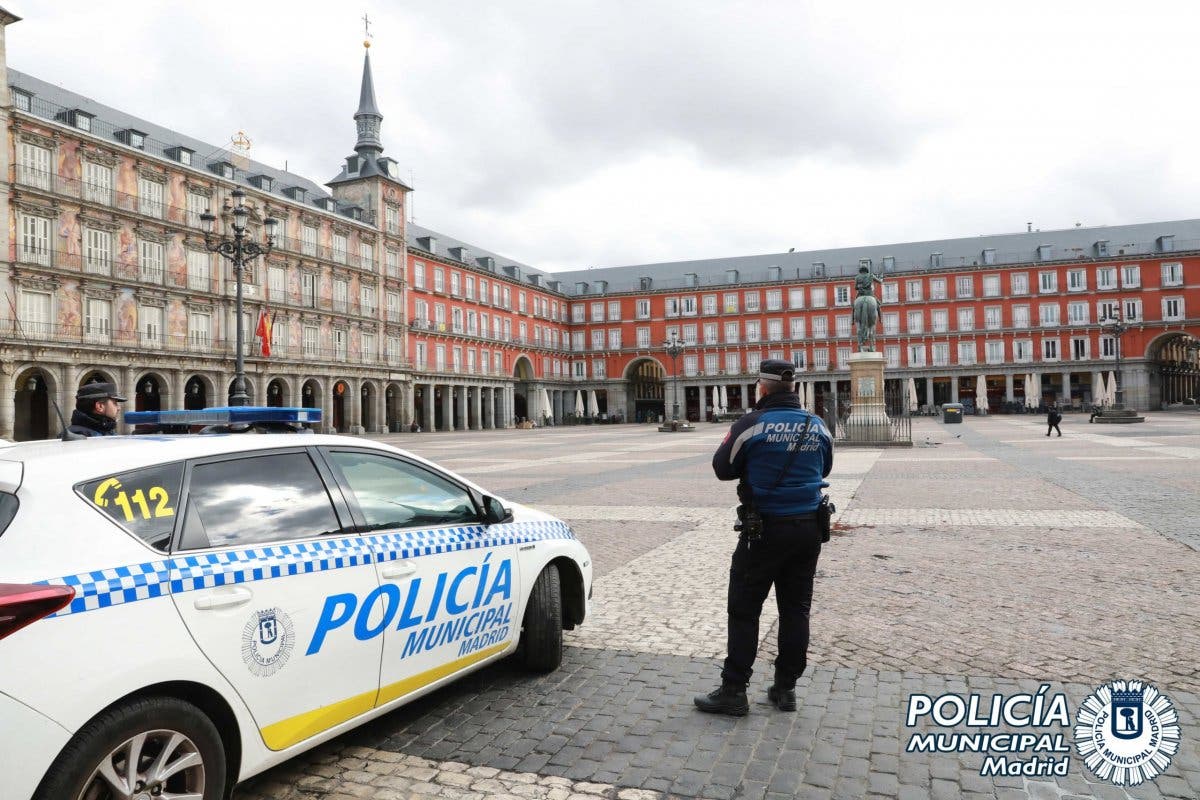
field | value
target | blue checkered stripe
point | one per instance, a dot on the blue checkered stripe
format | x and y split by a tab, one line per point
128	584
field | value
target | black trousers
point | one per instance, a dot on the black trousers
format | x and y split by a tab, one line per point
786	557
1053	426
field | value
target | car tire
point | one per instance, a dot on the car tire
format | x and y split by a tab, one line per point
542	629
108	736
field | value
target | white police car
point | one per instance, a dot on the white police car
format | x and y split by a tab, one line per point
178	613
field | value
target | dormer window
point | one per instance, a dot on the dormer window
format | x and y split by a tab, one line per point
132	138
82	120
329	204
264	182
295	192
181	154
22	101
222	168
352	165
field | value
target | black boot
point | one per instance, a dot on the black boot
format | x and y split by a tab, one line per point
783	694
729	699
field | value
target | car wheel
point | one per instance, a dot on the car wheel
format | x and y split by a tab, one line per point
542	630
153	747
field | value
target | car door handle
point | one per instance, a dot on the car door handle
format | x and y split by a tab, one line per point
224	598
401	570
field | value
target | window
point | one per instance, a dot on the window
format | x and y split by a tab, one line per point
891	324
912	291
994	351
941	320
689	334
340	291
472	322
820	358
751	299
775	330
308	242
614	310
599	369
671	306
97	183
1022	351
508	298
471	361
522	298
1131	276
34	242
993	318
711	361
392	219
1107	310
1108	347
1106	277
421	356
733	363
916	321
98	251
1018	283
796	328
456	359
597	339
1077	313
966	319
366	256
816	297
366	301
1049	349
841	295
1172	274
439	357
1133	310
368	347
310	335
710	304
598	312
774	299
643	338
614	338
991	285
341	247
1076	280
916	355
1080	350
1047	282
340	341
642	311
1020	317
150	198
276	284
469	287
33	165
843	357
197	204
710	333
1048	314
892	355
150	261
937	288
199	327
731	332
966	353
753	330
36	313
279	335
278	497
689	306
150	320
941	354
730	303
393	349
1172	308
796	297
142	501
21	100
964	286
689	365
439	280
308	289
820	327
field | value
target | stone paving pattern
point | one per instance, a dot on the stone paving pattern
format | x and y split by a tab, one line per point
987	559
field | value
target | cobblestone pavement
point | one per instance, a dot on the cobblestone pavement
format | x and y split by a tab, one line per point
986	559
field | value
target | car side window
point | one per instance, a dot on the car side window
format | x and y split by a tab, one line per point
255	500
396	494
142	501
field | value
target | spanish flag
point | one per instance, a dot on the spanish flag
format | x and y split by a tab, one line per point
265	323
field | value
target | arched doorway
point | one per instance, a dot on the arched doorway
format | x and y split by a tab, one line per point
337	406
150	391
523	373
277	393
249	392
195	393
646	390
391	407
310	395
367	406
31	412
1177	368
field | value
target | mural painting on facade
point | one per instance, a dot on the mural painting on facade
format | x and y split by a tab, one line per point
175	198
127	178
126	317
70	235
68	159
127	260
293	284
69	309
326	288
12	237
177	323
177	261
355	344
294	335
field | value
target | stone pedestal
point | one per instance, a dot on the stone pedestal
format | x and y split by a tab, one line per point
868	421
1118	416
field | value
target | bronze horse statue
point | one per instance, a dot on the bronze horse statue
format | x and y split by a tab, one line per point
866	309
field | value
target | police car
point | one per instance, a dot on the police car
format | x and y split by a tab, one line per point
178	613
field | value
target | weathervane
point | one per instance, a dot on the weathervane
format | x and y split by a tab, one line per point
367	31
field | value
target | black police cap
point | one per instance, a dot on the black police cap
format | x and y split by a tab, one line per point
100	390
776	369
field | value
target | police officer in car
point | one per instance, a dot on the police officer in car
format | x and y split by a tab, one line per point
96	408
780	455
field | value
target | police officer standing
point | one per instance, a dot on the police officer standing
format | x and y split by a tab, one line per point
780	454
96	408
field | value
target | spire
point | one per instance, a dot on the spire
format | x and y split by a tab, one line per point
367	118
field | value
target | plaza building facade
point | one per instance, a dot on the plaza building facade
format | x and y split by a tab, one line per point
383	323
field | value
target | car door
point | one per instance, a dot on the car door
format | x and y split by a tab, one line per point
449	588
264	570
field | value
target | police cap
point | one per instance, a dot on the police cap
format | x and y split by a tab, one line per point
98	391
776	369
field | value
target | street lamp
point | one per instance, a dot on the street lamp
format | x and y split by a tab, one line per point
238	250
1117	327
674	346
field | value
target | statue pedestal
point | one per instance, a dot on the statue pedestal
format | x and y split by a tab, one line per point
868	422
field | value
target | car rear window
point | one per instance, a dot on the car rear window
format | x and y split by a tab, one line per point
8	510
143	502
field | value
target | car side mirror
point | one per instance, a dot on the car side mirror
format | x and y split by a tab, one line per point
494	511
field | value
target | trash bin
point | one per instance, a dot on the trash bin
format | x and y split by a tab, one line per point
952	412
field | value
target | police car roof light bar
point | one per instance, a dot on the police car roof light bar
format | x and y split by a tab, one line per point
225	415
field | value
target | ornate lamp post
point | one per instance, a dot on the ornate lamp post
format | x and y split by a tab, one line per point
238	249
1117	327
673	347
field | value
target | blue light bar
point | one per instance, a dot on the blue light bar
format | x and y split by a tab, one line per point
226	415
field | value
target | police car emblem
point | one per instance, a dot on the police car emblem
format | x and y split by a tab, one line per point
1127	732
267	641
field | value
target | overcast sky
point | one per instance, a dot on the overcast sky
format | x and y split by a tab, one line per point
576	134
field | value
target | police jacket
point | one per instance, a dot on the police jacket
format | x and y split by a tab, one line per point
91	425
757	450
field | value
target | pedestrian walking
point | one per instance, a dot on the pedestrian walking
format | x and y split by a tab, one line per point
96	408
780	455
1053	417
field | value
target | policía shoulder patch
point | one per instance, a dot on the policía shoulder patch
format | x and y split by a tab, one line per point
267	641
1127	732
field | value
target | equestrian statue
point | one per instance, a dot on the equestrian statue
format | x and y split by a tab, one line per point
866	308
